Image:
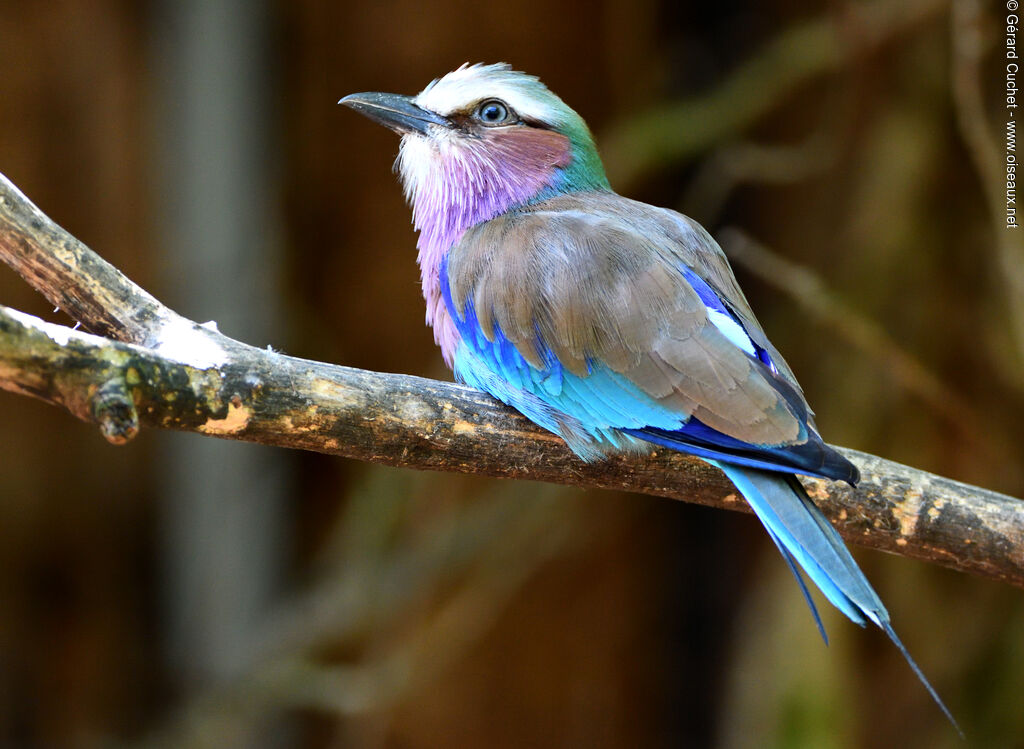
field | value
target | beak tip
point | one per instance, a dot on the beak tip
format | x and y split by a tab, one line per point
394	111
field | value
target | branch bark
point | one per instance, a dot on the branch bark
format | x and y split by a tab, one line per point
158	369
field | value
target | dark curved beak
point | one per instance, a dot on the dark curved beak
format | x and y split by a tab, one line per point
395	111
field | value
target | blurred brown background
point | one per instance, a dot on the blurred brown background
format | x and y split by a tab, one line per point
181	591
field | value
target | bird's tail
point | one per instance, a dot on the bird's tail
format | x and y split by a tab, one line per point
806	538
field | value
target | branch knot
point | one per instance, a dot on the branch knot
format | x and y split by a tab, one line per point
113	409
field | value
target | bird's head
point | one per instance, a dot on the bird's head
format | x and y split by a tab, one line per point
481	140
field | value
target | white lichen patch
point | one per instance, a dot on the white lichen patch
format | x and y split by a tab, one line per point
341	395
59	334
236	420
185	342
308	424
817	489
414	411
460	426
907	511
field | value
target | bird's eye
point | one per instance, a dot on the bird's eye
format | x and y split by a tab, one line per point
494	112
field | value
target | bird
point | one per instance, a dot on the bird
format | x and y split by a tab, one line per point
617	325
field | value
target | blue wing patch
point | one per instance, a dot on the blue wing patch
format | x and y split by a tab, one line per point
726	321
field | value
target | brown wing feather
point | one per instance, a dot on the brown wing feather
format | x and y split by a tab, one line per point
597	277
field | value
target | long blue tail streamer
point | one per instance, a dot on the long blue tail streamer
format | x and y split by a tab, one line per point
804	536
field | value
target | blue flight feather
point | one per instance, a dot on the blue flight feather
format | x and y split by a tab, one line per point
793	568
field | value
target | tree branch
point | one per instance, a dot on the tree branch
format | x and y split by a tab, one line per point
168	372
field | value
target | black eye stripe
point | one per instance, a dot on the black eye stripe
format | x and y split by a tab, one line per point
539	124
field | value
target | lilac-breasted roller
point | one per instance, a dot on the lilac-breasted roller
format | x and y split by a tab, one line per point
614	324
